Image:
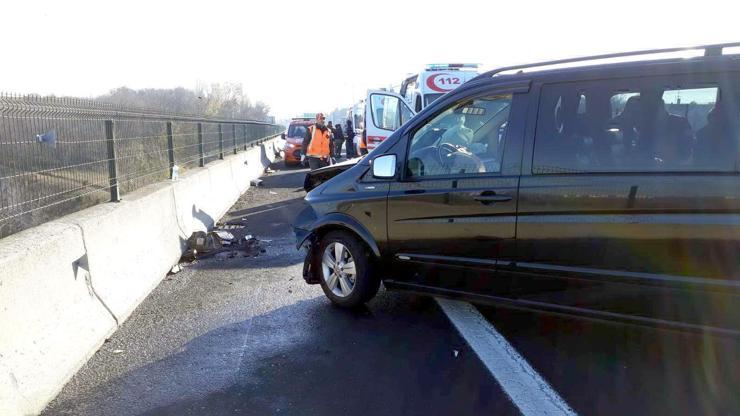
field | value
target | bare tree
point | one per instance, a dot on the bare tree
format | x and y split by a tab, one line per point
226	100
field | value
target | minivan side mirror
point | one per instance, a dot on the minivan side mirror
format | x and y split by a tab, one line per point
282	135
384	167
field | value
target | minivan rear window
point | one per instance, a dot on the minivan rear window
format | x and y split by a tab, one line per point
639	125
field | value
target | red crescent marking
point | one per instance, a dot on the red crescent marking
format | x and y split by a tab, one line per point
432	85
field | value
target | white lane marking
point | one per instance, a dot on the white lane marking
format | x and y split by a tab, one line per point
526	389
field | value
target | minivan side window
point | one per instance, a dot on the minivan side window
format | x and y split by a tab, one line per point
639	125
465	138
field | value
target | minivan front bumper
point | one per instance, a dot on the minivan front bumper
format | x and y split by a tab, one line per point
305	238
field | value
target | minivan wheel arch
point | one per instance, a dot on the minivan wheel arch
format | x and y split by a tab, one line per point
337	221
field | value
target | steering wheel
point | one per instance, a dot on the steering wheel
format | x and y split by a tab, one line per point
445	150
450	155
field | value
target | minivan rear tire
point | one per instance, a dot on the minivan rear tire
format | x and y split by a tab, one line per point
365	285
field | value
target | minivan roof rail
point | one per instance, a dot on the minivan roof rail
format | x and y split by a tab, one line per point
444	67
709	50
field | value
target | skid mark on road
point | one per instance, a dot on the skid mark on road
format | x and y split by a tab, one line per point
526	389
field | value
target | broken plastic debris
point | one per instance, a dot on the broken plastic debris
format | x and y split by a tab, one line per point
117	351
241	223
255	182
273	193
175	269
189	255
224	235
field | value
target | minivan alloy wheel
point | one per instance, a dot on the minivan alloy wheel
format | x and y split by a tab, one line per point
338	269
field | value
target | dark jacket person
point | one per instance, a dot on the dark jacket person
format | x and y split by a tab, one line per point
338	140
350	134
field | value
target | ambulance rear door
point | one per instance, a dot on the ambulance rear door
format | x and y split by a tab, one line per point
385	112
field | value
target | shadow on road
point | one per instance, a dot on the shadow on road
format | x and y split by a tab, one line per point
609	368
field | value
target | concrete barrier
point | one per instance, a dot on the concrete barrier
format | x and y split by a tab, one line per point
66	285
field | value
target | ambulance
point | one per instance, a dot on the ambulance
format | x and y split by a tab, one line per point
382	111
377	116
420	90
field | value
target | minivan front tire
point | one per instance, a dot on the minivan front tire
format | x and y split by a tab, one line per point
346	270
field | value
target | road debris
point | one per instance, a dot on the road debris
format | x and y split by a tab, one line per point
223	244
203	242
256	182
175	269
232	224
189	256
225	236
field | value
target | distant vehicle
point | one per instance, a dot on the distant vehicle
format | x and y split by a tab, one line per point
294	139
377	116
420	90
606	190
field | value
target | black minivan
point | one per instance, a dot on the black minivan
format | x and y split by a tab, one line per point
571	187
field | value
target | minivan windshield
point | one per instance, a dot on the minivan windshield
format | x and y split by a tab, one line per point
475	116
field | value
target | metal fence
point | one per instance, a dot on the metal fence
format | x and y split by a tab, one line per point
60	155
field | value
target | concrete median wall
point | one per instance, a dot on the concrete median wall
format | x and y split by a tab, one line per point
66	285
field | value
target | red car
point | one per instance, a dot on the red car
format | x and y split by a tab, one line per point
294	140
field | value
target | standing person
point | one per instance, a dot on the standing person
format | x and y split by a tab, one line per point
338	140
350	132
331	142
317	143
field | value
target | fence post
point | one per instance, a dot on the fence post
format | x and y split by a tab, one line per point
220	141
201	152
233	136
245	136
115	196
170	148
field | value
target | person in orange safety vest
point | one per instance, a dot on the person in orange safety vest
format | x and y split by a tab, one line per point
317	143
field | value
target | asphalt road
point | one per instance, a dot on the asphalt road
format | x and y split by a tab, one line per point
245	335
607	368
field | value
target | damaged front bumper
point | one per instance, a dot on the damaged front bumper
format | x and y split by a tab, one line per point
306	239
310	272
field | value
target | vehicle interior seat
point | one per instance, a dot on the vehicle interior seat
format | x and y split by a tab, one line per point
716	143
665	138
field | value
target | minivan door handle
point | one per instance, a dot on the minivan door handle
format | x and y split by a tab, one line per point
489	197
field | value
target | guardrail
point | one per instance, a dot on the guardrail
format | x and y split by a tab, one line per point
61	155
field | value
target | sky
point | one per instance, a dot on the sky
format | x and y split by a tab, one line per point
309	56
